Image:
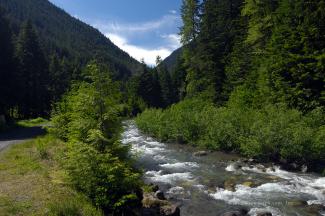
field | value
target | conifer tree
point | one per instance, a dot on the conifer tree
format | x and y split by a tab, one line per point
33	75
296	54
7	70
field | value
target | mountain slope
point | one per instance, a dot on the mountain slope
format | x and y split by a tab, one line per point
171	60
63	34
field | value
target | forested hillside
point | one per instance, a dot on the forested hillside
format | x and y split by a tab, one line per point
43	49
66	36
253	79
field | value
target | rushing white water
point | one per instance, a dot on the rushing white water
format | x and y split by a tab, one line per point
199	182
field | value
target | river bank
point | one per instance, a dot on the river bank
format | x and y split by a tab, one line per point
214	184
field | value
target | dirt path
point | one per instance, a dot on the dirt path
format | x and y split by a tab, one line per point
19	135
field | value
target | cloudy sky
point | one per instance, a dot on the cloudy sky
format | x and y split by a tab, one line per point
143	28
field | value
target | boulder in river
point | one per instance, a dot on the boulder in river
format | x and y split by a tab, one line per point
304	168
264	214
297	203
170	210
248	184
200	153
229	185
160	195
241	212
150	201
155	188
315	208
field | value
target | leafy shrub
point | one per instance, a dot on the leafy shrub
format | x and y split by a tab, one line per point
271	132
88	118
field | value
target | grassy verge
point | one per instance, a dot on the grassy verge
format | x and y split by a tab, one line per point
32	122
32	181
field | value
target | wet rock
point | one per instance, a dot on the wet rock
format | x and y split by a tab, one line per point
283	161
260	166
160	195
229	185
241	212
274	178
264	214
294	166
315	208
297	203
170	210
304	168
154	187
150	201
248	184
200	153
249	160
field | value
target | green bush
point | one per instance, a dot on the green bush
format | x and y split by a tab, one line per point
272	132
88	118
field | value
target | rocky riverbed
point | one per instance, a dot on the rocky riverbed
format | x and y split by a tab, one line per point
204	183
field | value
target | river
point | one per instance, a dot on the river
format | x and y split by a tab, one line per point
214	184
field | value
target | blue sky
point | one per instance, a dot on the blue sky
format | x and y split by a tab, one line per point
143	28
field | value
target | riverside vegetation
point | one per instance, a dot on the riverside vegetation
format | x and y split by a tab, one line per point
88	119
249	79
253	81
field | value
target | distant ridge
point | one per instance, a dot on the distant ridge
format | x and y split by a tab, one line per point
61	33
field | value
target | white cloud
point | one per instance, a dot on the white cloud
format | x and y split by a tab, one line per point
125	34
173	11
115	27
149	55
173	40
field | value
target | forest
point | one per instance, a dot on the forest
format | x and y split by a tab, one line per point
249	79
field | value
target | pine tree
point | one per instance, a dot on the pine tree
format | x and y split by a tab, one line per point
33	75
7	68
296	54
178	77
59	75
214	43
190	17
166	86
149	88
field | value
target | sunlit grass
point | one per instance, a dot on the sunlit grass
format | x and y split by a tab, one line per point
32	122
34	184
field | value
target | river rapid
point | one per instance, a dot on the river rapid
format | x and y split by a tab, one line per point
215	184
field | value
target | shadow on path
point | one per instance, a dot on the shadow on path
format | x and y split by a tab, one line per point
19	135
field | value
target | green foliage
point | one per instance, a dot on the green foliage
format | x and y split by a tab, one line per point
110	182
190	16
32	122
88	118
270	133
68	37
42	149
32	74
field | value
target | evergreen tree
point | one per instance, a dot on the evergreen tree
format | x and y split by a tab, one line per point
59	77
214	43
149	88
7	69
33	74
178	77
166	86
296	54
190	17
